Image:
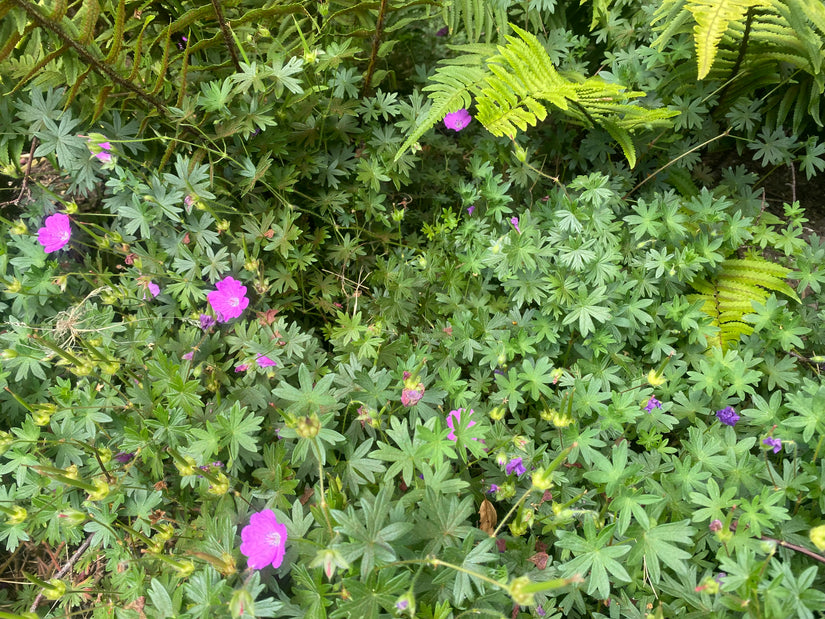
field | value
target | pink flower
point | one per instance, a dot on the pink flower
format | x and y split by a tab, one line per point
514	221
229	300
457	120
153	288
242	367
410	397
264	540
55	233
265	362
453	420
188	356
103	156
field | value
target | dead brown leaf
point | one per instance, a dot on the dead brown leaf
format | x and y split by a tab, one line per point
488	517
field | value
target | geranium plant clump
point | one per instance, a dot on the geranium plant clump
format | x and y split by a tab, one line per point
325	311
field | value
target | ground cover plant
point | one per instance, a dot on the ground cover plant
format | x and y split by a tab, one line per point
418	309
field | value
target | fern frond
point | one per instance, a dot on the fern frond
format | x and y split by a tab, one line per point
479	18
512	86
449	90
729	296
712	18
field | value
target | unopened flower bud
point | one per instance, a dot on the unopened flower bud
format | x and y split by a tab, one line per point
105	455
9	353
55	590
655	379
101	490
542	479
497	414
185	568
308	427
19	227
518	591
242	604
14	286
72	517
817	535
187	467
220	486
16	514
715	526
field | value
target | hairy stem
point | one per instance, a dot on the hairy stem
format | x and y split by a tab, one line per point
376	44
227	36
95	63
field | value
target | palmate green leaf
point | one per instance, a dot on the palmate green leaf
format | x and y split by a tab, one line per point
594	555
369	538
443	523
808	406
537	376
358	468
473	557
762	512
369	598
612	473
406	457
239	430
715	503
657	545
308	398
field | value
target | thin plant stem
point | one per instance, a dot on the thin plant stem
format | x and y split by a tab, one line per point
512	509
324	506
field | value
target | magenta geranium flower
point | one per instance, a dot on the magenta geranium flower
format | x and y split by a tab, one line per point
453	420
264	540
457	120
55	232
265	362
229	300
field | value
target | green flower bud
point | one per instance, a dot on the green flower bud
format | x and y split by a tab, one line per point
497	414
542	479
518	591
105	455
14	286
308	427
185	568
187	467
72	517
101	490
19	227
6	441
817	535
16	514
9	353
56	590
220	486
242	604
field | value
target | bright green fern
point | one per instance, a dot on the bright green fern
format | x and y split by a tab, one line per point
513	83
729	296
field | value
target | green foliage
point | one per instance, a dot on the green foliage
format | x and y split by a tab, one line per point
509	85
735	288
479	375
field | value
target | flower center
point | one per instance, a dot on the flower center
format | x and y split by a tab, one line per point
234	301
64	236
273	539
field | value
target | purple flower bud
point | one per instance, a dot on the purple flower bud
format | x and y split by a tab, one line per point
715	526
124	457
207	322
728	416
514	221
